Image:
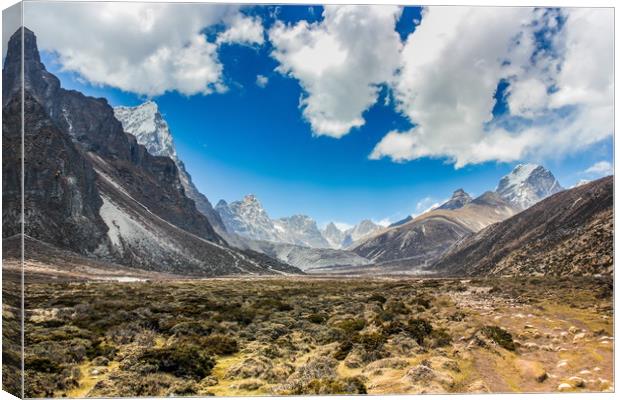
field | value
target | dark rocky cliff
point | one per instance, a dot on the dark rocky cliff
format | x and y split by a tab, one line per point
92	189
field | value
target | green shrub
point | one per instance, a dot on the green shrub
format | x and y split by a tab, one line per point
273	304
457	316
372	341
101	349
350	385
393	328
500	336
376	297
183	360
422	301
351	325
419	329
440	338
396	307
220	344
42	364
317	318
343	350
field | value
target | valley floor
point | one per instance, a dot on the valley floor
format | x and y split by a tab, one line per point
313	335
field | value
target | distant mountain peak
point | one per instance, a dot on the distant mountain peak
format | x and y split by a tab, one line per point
251	199
248	218
459	199
527	184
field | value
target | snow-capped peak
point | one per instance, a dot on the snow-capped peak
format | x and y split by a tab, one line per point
527	184
149	127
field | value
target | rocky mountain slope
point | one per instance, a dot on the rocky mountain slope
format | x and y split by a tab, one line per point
333	235
151	130
91	188
426	237
527	184
569	233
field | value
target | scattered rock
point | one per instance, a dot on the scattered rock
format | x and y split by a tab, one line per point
564	386
584	372
98	371
579	336
577	382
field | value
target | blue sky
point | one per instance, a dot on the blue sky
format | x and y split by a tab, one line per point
253	139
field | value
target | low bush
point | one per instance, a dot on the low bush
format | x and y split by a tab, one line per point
351	325
42	364
185	360
376	297
220	344
419	329
317	318
500	336
343	350
440	338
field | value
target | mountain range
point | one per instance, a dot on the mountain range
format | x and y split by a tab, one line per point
248	218
91	188
569	233
419	241
106	184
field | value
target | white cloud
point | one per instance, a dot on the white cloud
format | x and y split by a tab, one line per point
261	81
243	30
339	62
601	168
453	62
145	48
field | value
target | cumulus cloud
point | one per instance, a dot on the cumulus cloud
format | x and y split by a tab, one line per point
145	48
601	168
261	80
339	62
559	96
243	30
